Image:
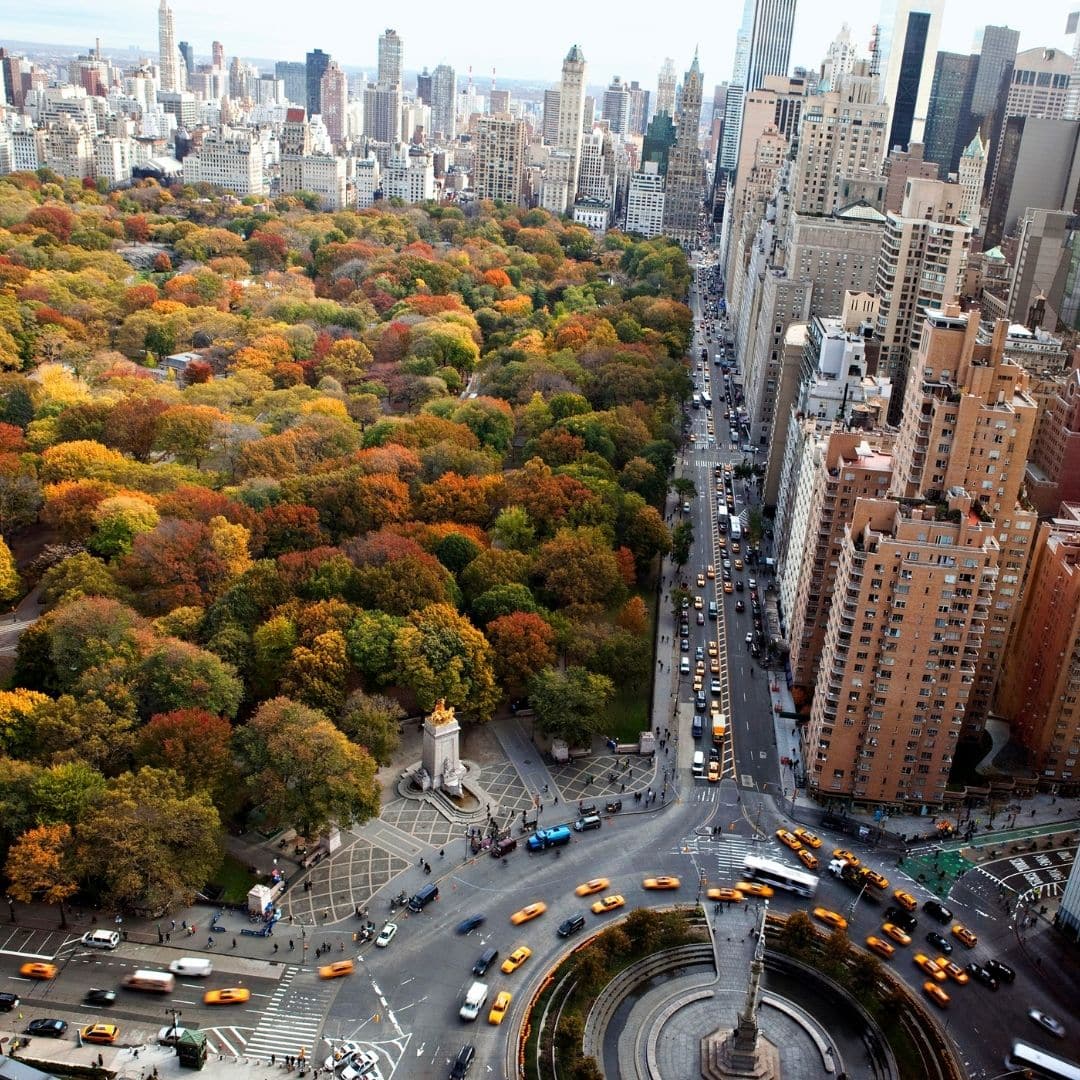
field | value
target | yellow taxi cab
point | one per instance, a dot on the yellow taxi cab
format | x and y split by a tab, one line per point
728	587
898	935
336	970
699	683
936	994
230	995
714	665
701	581
699	667
880	946
100	1033
807	837
38	971
665	881
807	858
499	1007
788	838
736	547
516	959
965	935
710	572
847	856
532	911
830	918
609	903
713	649
928	967
954	971
596	884
714	772
727	896
699	603
876	879
754	888
722	542
739	565
905	900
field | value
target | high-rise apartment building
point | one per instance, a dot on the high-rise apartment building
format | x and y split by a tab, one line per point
168	54
334	96
901	166
559	187
187	52
839	60
294	77
499	164
1041	674
1043	275
912	595
444	101
391	58
921	266
314	68
549	124
950	108
843	133
1053	470
639	108
645	201
684	195
615	108
911	39
423	87
665	88
217	54
967	425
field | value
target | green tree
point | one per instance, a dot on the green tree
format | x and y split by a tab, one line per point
372	720
302	771
682	540
440	654
20	501
177	675
77	729
684	487
513	528
455	551
76	576
569	704
147	846
370	645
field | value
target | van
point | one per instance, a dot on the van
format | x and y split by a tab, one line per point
684	666
474	1001
697	726
503	847
484	961
154	982
719	725
193	966
712	609
424	897
571	925
698	767
587	823
101	939
545	838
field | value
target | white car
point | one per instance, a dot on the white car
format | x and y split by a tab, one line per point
1050	1023
170	1036
363	1066
342	1055
749	639
386	935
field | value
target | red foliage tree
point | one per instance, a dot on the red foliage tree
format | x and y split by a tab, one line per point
289	527
524	644
173	566
194	743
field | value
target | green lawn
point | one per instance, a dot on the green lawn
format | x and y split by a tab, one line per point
233	880
628	713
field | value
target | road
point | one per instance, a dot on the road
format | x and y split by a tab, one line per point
402	1001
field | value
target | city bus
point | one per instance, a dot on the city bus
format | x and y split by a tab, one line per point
706	399
735	528
1025	1056
783	877
696	400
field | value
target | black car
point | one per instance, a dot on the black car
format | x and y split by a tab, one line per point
471	923
1001	972
936	910
981	974
100	997
8	1002
463	1061
939	942
47	1026
571	925
484	961
899	917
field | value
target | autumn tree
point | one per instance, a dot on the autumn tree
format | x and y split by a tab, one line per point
577	567
302	771
193	743
177	675
11	587
147	845
186	432
372	721
524	645
440	654
40	867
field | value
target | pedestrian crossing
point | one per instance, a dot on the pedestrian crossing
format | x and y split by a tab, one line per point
723	856
292	1019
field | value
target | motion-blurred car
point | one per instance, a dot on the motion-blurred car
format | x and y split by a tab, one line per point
899	936
754	888
38	971
498	1009
609	903
807	837
597	884
336	970
664	882
880	946
230	995
724	895
830	918
532	911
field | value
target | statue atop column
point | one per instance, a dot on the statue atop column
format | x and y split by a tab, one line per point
442	767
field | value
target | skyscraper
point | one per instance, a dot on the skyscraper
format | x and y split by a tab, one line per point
950	107
997	53
560	179
443	100
294	75
168	54
317	63
683	201
615	108
334	96
665	88
911	36
550	122
423	87
187	51
499	167
391	58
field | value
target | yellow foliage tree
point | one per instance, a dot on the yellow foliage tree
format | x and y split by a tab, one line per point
40	867
231	543
15	706
10	583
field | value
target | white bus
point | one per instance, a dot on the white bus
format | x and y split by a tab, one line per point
696	401
783	877
1024	1056
736	527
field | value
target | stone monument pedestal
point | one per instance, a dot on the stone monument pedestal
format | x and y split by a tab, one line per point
441	760
740	1054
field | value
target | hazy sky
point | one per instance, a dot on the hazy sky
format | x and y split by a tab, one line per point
629	38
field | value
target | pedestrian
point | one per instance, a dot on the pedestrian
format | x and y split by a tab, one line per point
234	943
183	924
209	942
273	1059
442	852
168	937
292	944
275	947
172	924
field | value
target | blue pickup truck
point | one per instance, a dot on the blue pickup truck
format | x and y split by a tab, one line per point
545	838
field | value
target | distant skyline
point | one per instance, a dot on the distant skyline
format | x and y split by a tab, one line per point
633	45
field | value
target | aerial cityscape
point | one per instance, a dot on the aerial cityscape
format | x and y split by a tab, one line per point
568	576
